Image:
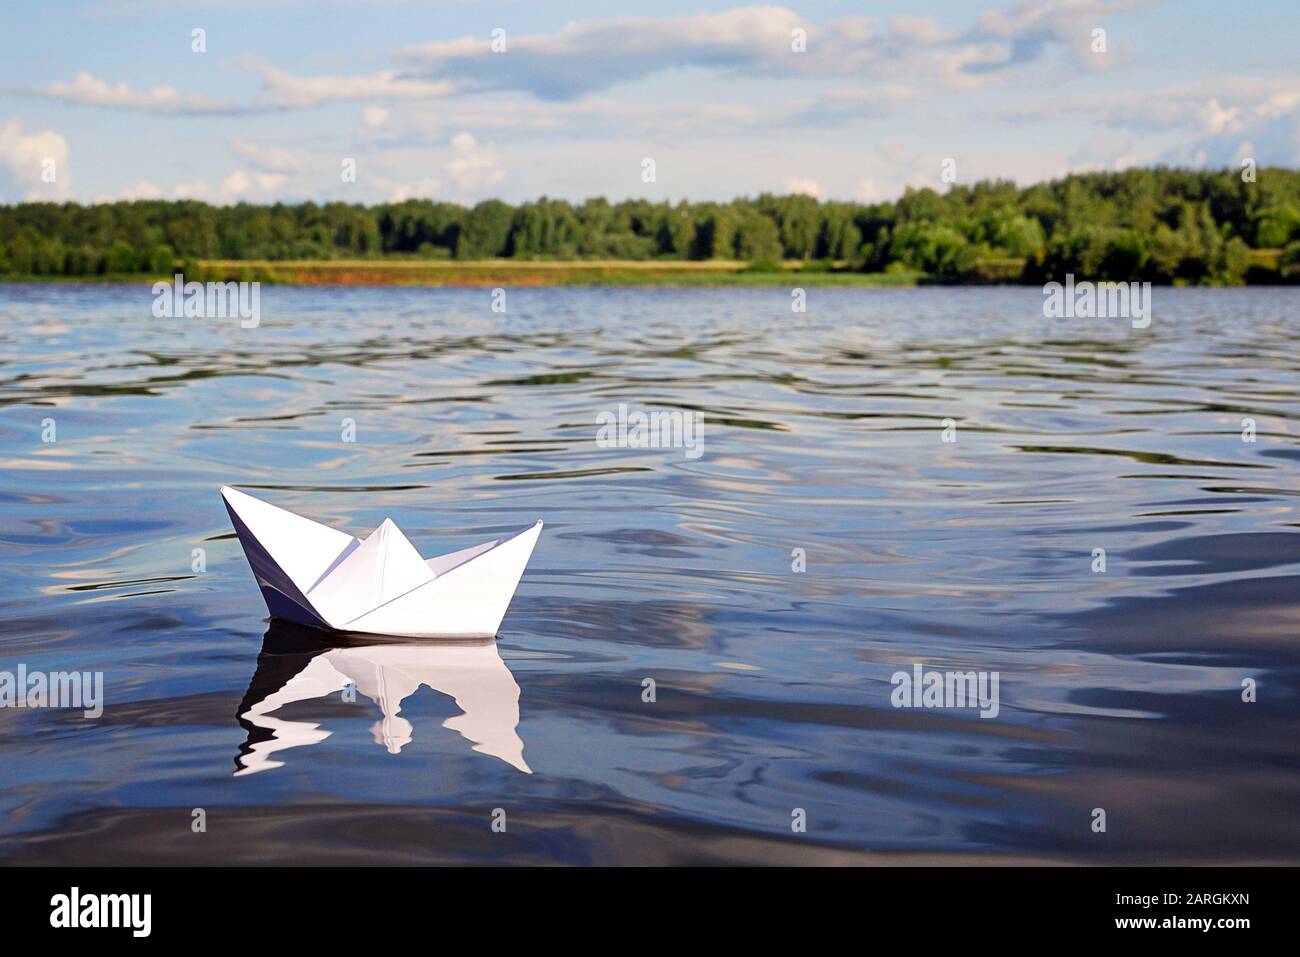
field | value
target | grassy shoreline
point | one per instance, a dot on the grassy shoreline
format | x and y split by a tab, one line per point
506	272
404	272
610	272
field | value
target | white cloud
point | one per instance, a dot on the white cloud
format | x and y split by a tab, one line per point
426	187
284	90
191	189
1210	106
1218	118
141	190
921	30
1106	151
238	185
593	55
280	90
89	90
807	187
242	184
584	57
1032	25
840	105
33	158
473	168
746	115
1209	117
266	159
867	191
1280	104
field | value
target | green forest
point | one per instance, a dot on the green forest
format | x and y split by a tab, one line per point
1164	225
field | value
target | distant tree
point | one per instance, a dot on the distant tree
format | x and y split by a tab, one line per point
545	228
122	258
18	255
1125	255
1161	224
161	258
1016	234
675	232
757	236
1289	262
932	247
1277	226
1233	263
49	257
874	256
715	234
919	205
838	236
486	231
85	260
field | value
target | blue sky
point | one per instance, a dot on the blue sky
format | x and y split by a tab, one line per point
112	98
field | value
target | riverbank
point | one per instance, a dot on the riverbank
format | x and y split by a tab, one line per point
506	272
1263	270
503	272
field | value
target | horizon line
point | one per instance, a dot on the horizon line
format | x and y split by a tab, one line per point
907	190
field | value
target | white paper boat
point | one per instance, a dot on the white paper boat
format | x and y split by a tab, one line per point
314	575
471	673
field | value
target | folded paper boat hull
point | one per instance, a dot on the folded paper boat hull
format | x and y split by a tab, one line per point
317	576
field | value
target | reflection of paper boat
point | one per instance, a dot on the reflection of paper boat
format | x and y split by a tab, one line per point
297	667
314	575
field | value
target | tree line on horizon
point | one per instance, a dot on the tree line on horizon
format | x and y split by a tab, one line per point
1159	224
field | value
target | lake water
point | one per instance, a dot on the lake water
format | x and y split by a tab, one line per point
1118	689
